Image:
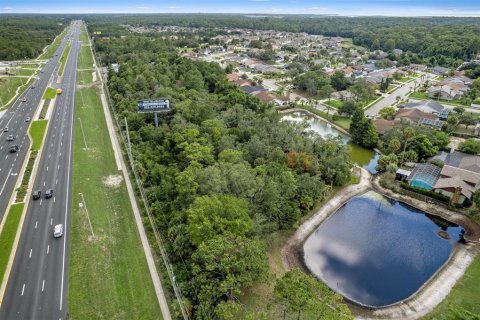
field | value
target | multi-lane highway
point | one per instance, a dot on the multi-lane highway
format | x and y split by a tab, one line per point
37	285
14	119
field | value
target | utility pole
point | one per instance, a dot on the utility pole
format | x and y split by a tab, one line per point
128	136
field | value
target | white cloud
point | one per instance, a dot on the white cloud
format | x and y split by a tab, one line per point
8	8
174	7
143	7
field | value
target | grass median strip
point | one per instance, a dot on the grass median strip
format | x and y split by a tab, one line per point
50	50
37	132
64	57
50	93
109	277
8	234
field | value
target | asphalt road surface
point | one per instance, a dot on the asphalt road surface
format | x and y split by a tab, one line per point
37	286
14	120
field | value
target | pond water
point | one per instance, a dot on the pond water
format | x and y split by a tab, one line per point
376	251
365	158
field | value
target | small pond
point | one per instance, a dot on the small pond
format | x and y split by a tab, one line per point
365	158
377	251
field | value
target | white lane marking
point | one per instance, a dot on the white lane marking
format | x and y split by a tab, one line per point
53	199
47	168
56	181
36	223
48	249
30	255
43	285
23	289
51	221
8	176
41	201
44	183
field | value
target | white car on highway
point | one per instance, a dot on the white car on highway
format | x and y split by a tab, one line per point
58	231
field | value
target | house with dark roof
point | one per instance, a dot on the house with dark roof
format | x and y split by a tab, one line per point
419	117
383	125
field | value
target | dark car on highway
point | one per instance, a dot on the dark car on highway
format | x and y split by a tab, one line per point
13	148
49	193
36	194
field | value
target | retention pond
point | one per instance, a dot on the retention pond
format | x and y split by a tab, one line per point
377	251
363	157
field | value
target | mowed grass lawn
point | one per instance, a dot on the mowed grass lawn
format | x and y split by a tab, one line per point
465	295
37	132
8	234
84	76
109	277
64	58
50	93
85	59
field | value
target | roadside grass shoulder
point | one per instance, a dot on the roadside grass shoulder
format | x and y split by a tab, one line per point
464	296
37	132
419	95
7	235
8	88
85	59
84	76
50	93
109	277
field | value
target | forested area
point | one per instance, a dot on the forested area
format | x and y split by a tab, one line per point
25	36
445	41
221	171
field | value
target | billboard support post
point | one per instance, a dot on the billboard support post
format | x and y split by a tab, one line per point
156	119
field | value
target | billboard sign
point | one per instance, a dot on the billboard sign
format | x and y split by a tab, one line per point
153	105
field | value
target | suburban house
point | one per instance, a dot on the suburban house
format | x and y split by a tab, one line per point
429	106
419	117
383	125
460	177
342	95
450	88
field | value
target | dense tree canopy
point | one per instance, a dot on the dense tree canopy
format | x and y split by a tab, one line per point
25	36
220	171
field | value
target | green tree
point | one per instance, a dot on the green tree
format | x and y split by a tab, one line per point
218	214
362	130
388	113
422	145
307	298
222	267
348	107
339	81
470	145
459	110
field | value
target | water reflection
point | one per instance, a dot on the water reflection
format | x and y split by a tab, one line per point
376	251
366	158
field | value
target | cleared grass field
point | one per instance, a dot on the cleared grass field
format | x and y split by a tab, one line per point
109	277
84	76
8	234
37	132
85	59
465	296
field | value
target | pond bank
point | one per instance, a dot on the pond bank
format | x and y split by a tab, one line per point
292	110
431	293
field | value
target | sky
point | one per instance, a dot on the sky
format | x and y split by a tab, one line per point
469	8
